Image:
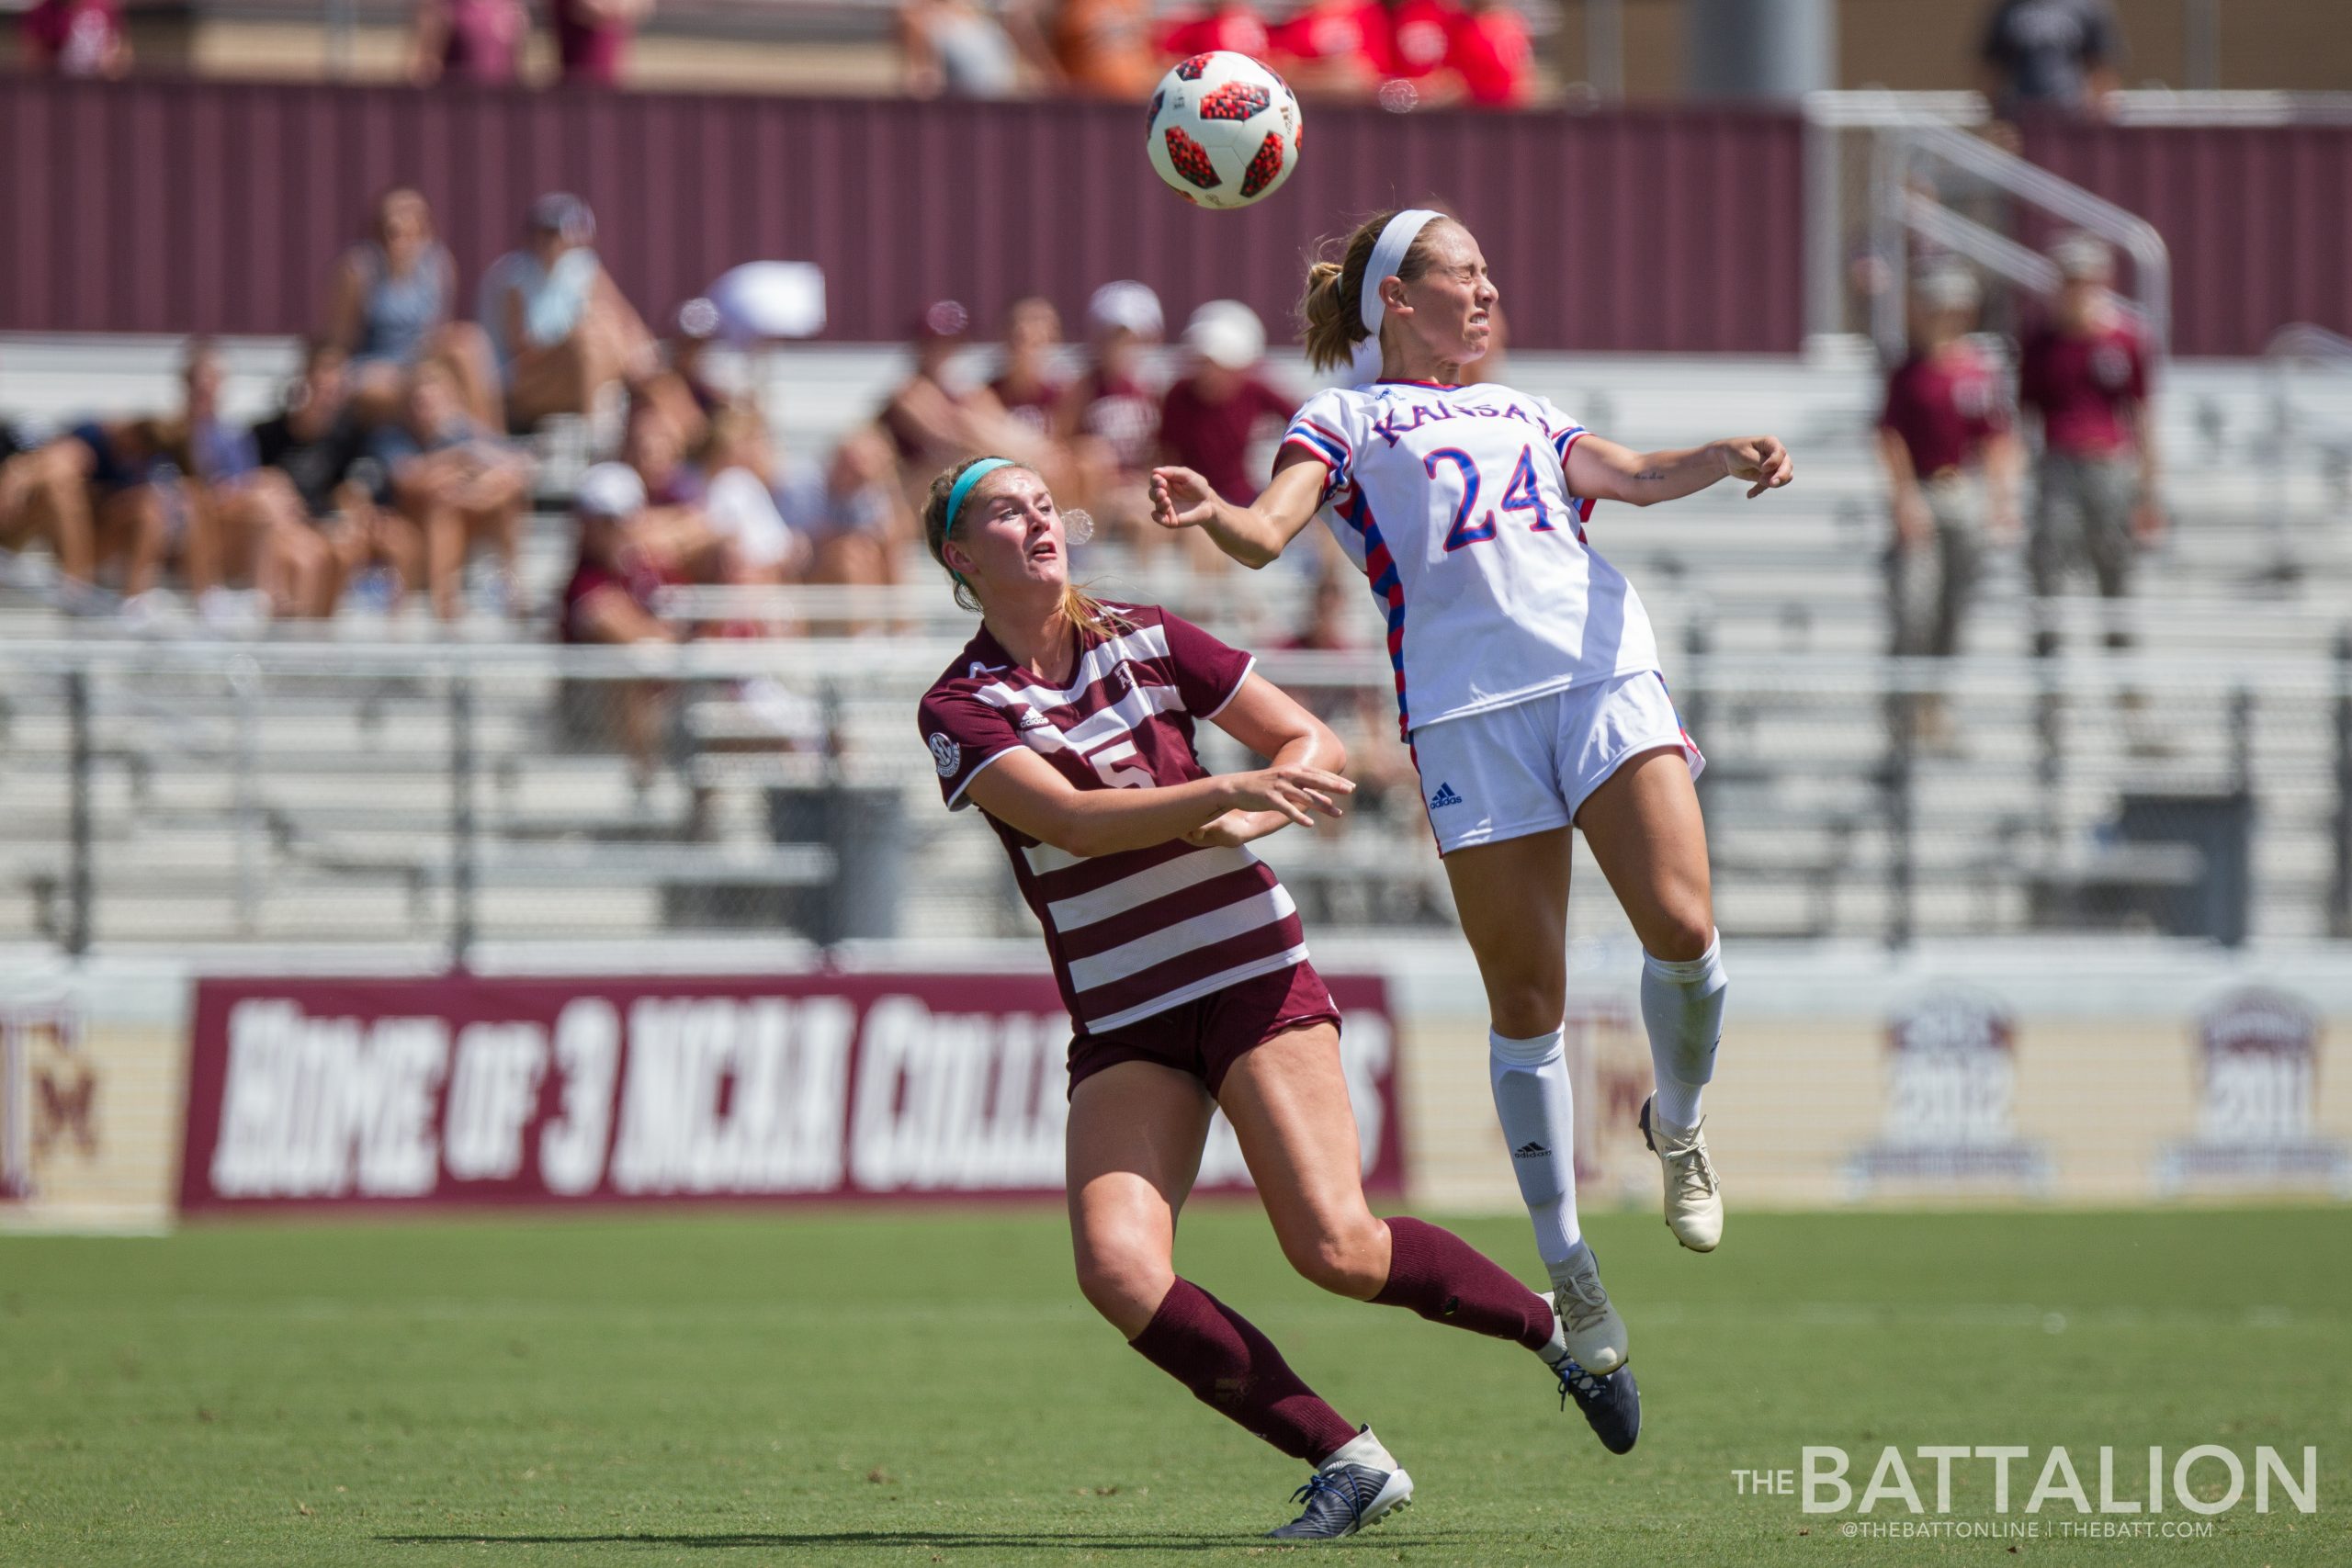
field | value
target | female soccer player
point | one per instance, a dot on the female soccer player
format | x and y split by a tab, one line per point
1527	683
1069	723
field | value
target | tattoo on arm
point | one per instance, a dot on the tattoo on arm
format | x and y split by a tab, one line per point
1650	475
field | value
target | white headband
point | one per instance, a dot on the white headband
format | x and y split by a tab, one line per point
1387	255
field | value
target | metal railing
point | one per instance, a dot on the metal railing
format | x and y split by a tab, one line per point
456	795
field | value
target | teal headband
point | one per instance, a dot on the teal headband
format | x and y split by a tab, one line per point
963	487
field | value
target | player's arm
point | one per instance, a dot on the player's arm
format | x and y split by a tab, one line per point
1024	790
2005	476
1602	471
1268	721
1253	534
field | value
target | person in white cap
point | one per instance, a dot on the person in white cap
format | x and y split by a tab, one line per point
1109	416
1528	684
1214	417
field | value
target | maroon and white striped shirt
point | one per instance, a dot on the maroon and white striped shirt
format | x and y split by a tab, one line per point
1139	932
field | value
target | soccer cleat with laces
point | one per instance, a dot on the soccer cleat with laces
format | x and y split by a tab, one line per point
1611	1405
1594	1333
1695	1201
1345	1498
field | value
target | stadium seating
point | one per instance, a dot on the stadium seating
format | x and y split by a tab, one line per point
328	789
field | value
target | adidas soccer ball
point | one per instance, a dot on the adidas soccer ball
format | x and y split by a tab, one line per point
1225	130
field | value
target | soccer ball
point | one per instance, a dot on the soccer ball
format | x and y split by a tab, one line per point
1225	130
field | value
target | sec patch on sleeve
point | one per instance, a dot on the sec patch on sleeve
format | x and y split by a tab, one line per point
945	755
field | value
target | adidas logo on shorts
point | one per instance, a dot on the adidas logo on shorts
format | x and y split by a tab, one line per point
1444	796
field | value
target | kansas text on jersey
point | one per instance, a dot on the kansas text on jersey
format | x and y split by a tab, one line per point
1454	501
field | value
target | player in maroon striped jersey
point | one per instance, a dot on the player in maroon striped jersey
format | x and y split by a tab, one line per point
1069	723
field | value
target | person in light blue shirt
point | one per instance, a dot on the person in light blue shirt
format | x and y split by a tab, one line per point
560	329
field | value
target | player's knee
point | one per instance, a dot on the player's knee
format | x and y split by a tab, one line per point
1682	932
1346	1257
1122	1280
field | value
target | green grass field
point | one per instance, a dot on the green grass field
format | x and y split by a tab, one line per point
847	1387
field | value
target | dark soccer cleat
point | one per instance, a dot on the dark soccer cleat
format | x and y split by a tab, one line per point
1344	1499
1611	1405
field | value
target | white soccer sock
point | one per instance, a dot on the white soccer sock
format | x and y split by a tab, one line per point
1682	1007
1361	1449
1537	1107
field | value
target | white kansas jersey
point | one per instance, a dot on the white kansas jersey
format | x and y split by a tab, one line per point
1454	501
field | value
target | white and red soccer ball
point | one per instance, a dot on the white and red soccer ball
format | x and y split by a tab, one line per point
1225	130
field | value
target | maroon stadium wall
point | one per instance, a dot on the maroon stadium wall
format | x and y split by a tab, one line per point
185	206
392	1093
2258	218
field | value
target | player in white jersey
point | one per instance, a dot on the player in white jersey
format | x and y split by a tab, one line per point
1069	723
1527	683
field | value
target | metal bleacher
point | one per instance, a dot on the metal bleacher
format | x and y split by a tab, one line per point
384	782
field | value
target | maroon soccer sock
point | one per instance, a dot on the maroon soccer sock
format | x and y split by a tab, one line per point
1235	1369
1437	1274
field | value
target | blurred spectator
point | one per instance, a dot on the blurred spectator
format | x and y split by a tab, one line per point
1377	759
245	526
458	483
934	418
1215	417
1952	466
653	445
315	441
1230	24
685	387
855	516
1026	386
138	510
2049	54
563	336
609	600
1109	418
2085	375
45	499
1333	48
76	38
1419	34
591	38
955	48
739	501
1102	48
479	41
1490	50
389	306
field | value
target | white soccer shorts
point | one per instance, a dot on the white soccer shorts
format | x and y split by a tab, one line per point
1510	771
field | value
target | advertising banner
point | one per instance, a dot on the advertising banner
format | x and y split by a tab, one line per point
462	1089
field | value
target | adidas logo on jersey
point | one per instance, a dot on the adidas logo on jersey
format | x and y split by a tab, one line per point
1529	1150
1444	796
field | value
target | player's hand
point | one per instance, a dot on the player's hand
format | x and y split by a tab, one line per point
1180	498
1294	789
1235	828
1760	459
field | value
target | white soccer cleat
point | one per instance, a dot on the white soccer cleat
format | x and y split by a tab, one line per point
1594	1333
1694	1199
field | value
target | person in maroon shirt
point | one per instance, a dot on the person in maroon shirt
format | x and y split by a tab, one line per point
1952	465
1069	723
1026	384
591	38
1109	419
1210	419
2085	375
468	40
1231	24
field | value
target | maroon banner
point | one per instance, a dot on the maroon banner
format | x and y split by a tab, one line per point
463	1090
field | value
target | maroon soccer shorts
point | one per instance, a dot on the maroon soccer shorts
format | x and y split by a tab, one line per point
1208	1034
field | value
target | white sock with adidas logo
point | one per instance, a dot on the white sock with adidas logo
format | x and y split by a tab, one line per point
1537	1107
